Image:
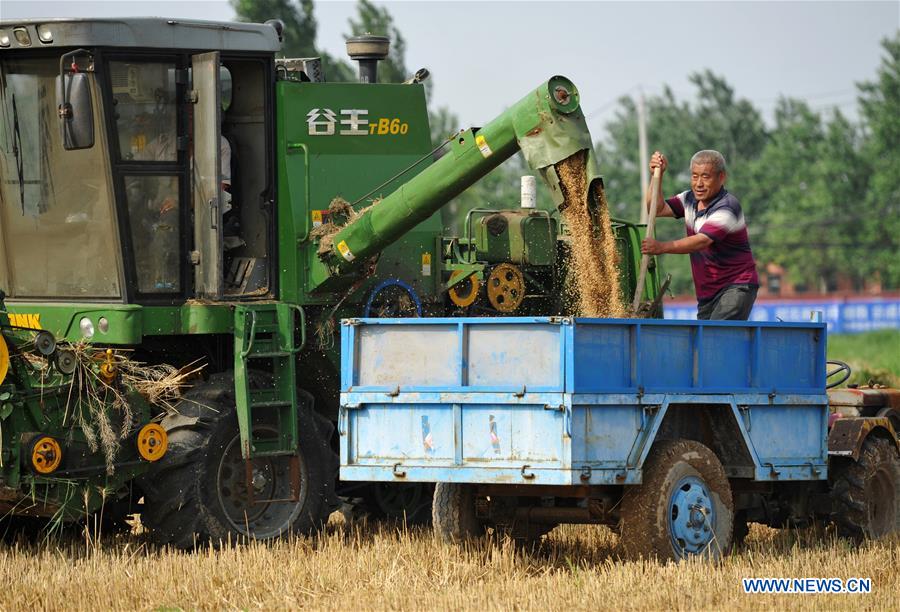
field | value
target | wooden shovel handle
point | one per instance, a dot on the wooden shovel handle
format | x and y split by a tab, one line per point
651	226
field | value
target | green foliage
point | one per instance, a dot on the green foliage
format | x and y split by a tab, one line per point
872	356
880	107
299	22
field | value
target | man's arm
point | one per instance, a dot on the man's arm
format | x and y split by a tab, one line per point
662	209
692	244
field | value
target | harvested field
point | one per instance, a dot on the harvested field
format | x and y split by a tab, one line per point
383	567
593	288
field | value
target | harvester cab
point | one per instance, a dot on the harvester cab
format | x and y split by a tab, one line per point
140	168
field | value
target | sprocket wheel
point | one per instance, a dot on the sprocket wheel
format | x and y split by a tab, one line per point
506	287
464	293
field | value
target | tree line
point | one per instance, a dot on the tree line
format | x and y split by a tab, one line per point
821	193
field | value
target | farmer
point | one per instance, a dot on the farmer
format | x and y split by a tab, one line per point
722	263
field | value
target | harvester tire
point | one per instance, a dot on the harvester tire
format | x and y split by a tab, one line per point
192	496
866	492
453	512
682	509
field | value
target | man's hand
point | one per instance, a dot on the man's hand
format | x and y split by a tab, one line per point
658	160
650	246
167	205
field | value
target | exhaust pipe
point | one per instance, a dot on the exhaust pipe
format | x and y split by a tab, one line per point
368	49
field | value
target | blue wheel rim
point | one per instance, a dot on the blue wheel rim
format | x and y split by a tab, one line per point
691	516
393	282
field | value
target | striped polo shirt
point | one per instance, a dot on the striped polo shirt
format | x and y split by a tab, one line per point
728	260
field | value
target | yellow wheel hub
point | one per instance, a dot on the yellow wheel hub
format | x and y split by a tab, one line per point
46	455
152	442
4	359
506	287
464	293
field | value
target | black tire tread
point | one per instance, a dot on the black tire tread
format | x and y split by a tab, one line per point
642	535
453	512
174	511
849	497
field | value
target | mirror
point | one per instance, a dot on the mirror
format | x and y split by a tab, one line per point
76	115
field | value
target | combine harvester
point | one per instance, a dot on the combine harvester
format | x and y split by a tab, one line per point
175	194
679	433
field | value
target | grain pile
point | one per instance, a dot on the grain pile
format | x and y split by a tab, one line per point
593	283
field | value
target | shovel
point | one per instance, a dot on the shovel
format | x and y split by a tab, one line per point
651	224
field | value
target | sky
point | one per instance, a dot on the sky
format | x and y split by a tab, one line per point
484	56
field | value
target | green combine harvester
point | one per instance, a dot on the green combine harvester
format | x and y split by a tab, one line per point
181	208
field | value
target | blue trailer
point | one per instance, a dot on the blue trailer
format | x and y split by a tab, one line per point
677	432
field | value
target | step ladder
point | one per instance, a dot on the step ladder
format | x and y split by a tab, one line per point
264	341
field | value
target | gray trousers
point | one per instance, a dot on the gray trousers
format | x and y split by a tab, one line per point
734	303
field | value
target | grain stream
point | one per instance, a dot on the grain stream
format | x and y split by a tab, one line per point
593	285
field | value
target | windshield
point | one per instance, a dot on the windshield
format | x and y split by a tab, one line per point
58	235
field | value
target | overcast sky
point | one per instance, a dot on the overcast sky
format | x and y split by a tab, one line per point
483	56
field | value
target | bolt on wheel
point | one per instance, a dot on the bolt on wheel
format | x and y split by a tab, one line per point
691	515
264	507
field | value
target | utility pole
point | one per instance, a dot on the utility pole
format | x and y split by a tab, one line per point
644	160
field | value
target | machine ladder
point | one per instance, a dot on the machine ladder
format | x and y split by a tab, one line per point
264	343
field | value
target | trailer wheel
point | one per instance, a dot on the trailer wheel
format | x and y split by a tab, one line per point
453	512
399	501
866	492
197	493
682	509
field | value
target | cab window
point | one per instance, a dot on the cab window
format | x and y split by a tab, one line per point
57	232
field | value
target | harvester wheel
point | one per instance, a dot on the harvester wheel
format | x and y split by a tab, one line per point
682	509
198	492
453	512
866	492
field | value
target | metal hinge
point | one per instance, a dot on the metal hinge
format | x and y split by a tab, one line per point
745	414
192	97
195	258
585	473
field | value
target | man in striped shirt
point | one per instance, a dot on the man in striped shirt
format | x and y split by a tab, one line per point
721	260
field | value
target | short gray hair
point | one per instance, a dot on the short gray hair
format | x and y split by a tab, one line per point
708	156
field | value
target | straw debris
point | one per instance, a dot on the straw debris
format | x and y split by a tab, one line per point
341	214
103	410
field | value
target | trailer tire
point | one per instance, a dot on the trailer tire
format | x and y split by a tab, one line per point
866	492
189	497
667	517
740	530
453	512
410	502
